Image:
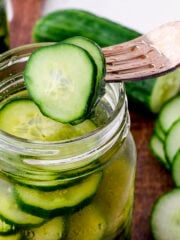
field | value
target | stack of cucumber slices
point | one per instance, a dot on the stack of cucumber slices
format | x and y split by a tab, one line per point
165	145
65	79
64	82
32	214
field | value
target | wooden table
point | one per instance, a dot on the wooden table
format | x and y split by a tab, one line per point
151	179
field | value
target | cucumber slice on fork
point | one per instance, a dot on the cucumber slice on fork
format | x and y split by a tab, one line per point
61	79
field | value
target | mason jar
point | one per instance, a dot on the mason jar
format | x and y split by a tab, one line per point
80	188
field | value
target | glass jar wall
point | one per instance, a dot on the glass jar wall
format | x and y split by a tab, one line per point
80	188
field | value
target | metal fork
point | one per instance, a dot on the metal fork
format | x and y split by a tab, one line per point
152	54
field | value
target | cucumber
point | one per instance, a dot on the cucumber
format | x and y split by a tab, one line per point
68	23
165	216
164	89
176	169
54	203
63	24
60	79
157	149
16	236
51	230
170	113
10	210
85	127
45	185
172	142
88	224
6	228
159	132
94	50
22	118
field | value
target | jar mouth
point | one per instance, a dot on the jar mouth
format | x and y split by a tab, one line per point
60	153
22	53
99	130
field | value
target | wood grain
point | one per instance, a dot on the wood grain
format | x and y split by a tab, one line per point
152	179
25	14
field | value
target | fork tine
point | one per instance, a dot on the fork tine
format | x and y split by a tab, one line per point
123	57
136	45
142	72
131	64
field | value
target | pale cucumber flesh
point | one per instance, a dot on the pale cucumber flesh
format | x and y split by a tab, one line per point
165	217
172	142
60	79
170	113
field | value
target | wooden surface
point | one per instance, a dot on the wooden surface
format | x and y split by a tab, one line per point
151	179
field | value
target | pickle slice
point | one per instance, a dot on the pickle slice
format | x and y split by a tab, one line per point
115	194
86	224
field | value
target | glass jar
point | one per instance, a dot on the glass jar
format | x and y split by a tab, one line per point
85	183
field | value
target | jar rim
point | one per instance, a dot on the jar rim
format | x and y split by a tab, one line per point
16	51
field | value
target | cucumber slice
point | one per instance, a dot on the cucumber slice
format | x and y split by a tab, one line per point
51	230
95	51
166	216
61	79
6	228
58	202
157	149
170	113
176	169
172	142
87	224
23	118
46	185
165	88
16	236
159	132
10	210
84	127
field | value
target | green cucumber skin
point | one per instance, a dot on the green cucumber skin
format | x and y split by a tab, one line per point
174	170
11	231
165	195
87	108
140	92
48	188
163	163
18	226
101	70
63	24
37	211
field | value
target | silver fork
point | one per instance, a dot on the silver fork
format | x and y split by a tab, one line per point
152	54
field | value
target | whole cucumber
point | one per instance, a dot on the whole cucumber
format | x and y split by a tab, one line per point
63	24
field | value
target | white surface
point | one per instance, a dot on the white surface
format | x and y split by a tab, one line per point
142	15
